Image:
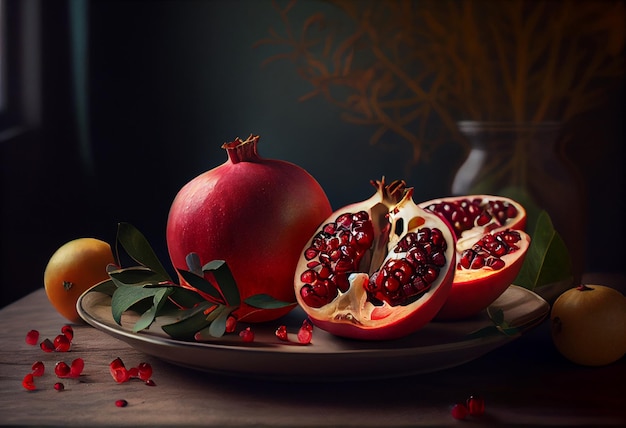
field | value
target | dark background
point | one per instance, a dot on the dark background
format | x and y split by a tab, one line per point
158	89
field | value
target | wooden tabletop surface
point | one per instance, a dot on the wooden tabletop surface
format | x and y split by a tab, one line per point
525	382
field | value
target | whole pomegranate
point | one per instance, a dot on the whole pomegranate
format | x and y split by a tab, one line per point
589	325
377	269
490	249
254	213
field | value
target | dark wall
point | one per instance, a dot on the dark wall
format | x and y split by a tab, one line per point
167	83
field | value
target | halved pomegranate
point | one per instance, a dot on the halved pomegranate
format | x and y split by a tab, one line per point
490	249
377	269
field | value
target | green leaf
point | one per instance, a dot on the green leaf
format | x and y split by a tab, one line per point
265	301
547	259
138	248
126	296
107	287
184	297
201	284
193	263
217	319
192	320
225	280
147	318
136	275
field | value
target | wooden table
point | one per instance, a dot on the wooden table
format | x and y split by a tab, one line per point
525	382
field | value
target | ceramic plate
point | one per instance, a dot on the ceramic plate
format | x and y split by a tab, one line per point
437	346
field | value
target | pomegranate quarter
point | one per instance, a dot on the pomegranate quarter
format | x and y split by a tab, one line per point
490	249
378	269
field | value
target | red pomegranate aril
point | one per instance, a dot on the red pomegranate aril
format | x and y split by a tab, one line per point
459	411
489	249
145	371
133	372
247	335
150	382
231	324
463	214
475	405
61	369
281	333
118	371
38	368
77	367
32	337
47	345
62	343
68	331
29	382
121	403
59	386
305	334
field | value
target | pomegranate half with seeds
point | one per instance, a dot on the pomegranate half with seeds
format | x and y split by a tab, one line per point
378	269
490	249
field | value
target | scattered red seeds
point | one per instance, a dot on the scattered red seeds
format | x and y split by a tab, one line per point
118	370
47	346
281	333
305	334
247	335
32	337
77	367
68	332
29	382
145	371
231	324
133	372
121	403
61	369
59	386
150	382
62	343
459	411
475	405
38	368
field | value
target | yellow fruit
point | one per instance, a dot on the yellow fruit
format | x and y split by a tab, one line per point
589	325
75	267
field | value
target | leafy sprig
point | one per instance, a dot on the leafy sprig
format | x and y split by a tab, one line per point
201	307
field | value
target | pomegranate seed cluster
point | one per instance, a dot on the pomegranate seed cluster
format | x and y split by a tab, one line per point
62	370
334	253
465	214
402	279
488	251
473	406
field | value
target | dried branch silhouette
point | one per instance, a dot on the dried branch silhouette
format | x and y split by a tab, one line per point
415	68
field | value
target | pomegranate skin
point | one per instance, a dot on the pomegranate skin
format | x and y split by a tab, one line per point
254	213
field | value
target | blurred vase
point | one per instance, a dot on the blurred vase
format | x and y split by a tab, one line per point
524	161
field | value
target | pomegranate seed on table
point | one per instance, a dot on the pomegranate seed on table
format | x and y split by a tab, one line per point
281	333
59	386
47	346
38	368
32	337
61	369
459	411
121	403
476	405
247	335
29	382
144	371
68	331
62	343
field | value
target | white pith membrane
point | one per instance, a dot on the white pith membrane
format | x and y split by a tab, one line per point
392	221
